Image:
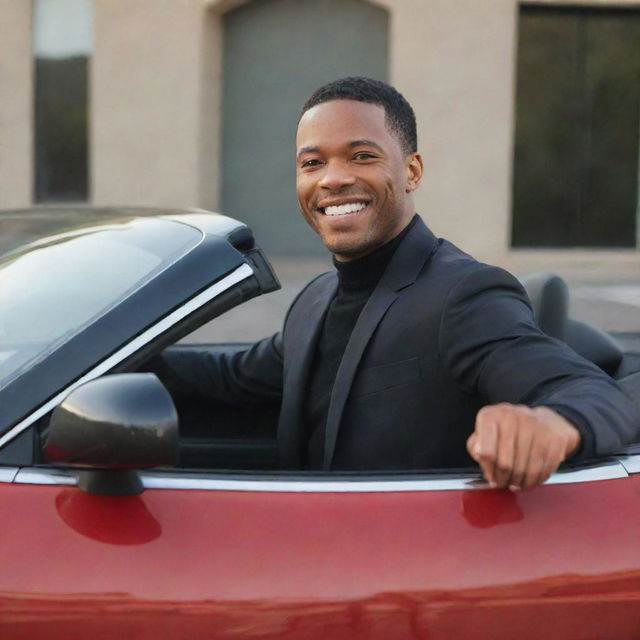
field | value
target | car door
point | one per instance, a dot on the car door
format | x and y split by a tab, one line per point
215	555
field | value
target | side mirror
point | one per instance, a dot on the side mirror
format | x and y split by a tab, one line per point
114	425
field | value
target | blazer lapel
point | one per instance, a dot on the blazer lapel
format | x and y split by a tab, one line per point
303	337
403	270
381	299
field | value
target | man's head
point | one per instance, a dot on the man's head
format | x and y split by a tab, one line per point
399	116
357	165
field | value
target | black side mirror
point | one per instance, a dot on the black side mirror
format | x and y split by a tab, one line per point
114	425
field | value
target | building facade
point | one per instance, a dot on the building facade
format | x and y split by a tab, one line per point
528	120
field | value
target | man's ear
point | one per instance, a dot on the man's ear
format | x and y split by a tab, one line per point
415	169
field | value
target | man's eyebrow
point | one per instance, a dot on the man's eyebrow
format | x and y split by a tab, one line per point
366	143
353	143
304	150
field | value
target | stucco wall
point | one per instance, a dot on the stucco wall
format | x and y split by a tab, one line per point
15	104
147	101
454	60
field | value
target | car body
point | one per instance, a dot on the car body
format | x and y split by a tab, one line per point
225	545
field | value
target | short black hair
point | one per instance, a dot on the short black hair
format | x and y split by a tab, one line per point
399	115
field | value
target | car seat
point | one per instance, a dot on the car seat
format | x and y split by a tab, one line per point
549	297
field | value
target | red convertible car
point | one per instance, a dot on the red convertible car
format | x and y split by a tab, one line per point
116	523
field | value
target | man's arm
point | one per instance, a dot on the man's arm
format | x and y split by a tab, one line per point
247	375
545	403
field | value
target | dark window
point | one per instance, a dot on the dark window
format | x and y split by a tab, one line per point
62	46
577	123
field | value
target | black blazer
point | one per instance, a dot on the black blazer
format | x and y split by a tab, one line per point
441	336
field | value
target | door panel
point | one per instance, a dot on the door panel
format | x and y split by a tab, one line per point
226	564
276	53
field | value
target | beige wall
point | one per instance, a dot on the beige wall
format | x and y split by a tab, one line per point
15	104
147	102
454	60
209	110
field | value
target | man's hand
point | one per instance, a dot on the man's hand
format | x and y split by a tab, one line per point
518	446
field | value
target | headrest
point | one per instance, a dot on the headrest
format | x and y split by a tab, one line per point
549	297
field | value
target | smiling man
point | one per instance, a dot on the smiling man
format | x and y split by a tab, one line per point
411	354
357	169
354	191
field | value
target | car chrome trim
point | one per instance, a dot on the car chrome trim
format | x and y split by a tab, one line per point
153	481
185	480
8	474
609	470
33	475
243	272
631	463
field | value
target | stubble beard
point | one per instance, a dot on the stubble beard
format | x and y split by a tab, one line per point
377	233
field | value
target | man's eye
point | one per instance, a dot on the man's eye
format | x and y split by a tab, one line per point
312	162
363	155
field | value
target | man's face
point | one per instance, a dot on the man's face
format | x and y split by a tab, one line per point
354	183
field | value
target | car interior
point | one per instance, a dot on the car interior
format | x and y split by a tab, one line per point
221	437
225	437
549	295
215	436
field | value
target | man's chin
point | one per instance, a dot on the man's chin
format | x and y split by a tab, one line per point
345	251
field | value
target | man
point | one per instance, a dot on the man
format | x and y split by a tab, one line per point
411	354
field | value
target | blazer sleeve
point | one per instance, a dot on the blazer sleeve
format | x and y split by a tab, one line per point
250	375
243	376
491	345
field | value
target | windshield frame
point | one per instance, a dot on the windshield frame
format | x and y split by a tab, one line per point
54	259
210	261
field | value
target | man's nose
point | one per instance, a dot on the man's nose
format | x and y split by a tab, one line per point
336	175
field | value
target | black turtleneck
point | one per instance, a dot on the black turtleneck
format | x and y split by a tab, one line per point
356	281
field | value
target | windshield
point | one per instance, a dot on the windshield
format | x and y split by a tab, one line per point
53	287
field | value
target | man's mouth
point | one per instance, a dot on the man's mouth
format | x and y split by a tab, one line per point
343	209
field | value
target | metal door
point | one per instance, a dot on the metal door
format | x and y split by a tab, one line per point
276	53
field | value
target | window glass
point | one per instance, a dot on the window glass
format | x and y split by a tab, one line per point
62	41
576	148
54	287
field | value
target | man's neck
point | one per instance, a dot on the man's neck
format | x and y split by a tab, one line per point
369	268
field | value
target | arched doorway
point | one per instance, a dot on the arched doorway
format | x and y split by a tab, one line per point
276	52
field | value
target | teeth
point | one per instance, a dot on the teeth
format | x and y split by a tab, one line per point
341	209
